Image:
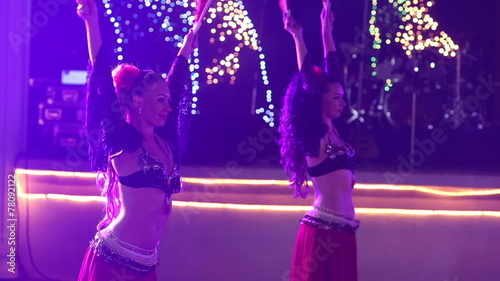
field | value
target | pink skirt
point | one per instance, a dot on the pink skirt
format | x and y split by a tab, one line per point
96	268
324	255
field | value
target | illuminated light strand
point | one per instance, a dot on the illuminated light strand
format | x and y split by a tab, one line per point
420	24
258	207
417	31
259	182
235	22
158	14
30	172
417	24
285	208
230	21
423	189
54	196
214	181
417	212
429	190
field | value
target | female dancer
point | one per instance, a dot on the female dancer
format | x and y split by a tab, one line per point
325	248
138	175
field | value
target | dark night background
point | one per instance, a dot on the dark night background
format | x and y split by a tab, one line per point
225	128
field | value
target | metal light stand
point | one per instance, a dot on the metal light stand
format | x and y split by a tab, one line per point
415	93
362	64
413	124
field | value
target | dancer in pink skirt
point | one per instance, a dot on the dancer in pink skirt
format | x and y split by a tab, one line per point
136	169
313	143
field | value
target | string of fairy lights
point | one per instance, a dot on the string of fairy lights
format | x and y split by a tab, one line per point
158	14
228	23
415	30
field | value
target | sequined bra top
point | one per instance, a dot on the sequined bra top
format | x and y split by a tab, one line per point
339	157
154	173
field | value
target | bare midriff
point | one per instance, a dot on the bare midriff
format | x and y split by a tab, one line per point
143	215
334	191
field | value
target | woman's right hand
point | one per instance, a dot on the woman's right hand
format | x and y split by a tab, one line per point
87	10
292	26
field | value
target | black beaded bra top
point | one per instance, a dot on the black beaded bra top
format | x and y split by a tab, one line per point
154	173
339	157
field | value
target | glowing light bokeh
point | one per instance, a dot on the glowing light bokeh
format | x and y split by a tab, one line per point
416	31
228	24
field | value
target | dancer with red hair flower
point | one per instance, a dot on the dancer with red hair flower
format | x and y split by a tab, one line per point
136	169
313	144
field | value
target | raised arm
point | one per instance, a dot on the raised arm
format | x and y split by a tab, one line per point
332	64
104	123
178	78
189	43
179	84
87	10
296	31
327	20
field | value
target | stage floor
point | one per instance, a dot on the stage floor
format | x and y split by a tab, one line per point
239	223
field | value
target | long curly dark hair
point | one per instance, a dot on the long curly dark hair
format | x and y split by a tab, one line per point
301	126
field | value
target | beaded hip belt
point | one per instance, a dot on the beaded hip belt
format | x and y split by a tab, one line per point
329	221
124	254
